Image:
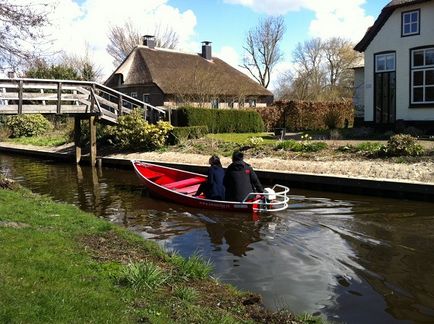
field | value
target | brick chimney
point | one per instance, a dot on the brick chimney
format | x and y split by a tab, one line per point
149	40
206	50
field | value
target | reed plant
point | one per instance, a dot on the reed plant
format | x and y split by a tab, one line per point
143	275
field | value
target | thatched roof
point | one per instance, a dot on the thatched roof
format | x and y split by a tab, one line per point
381	20
176	72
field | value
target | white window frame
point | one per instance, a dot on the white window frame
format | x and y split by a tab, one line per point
133	94
420	68
410	23
384	57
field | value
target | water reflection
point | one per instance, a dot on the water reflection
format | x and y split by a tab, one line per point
353	259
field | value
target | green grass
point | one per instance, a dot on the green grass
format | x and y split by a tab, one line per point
143	275
43	140
61	265
186	293
191	268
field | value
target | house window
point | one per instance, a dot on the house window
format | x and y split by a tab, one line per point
252	103
422	76
146	98
385	62
134	94
410	23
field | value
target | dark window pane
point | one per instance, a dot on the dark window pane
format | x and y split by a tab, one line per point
414	28
381	64
418	58
429	77
414	16
429	94
429	57
418	94
406	18
390	63
406	29
418	78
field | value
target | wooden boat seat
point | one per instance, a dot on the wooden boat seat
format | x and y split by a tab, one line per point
152	174
184	183
189	190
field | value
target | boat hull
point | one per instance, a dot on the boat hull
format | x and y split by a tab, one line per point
179	186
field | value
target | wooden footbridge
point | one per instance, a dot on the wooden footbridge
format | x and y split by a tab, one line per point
80	99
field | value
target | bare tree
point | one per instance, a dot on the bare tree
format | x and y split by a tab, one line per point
262	48
20	28
322	70
124	38
83	64
340	58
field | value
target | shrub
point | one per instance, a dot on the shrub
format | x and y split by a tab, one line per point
254	141
141	275
221	120
308	115
301	146
193	267
28	125
403	145
133	131
272	117
332	118
370	147
180	134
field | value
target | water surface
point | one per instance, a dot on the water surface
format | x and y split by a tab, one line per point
354	259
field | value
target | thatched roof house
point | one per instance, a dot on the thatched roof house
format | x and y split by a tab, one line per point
165	77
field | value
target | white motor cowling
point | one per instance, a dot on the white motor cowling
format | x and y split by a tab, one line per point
271	194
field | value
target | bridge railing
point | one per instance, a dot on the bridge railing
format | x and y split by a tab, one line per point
29	96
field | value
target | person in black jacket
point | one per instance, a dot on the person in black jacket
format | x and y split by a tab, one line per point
240	179
213	188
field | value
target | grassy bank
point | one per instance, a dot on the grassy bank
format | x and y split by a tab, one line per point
59	264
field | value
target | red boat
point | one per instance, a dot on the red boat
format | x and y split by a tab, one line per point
180	186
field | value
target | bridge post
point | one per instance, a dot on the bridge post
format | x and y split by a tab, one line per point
20	97
77	133
92	126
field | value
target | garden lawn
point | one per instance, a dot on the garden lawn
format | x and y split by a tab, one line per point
242	138
61	265
43	140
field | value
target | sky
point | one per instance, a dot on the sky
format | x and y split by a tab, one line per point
81	24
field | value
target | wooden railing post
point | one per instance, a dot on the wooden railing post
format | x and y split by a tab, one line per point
92	125
59	98
77	135
92	98
20	97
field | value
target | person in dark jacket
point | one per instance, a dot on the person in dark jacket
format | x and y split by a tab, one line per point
213	188
240	179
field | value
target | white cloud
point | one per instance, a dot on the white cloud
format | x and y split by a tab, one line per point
270	7
75	26
229	55
344	18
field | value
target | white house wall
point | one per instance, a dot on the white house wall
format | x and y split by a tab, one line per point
389	39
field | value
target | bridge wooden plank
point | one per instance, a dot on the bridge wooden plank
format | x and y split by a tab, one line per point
42	96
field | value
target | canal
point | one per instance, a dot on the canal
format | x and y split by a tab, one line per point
353	259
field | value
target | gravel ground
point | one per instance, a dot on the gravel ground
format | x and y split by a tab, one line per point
371	169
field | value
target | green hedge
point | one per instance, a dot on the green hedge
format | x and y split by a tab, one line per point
221	120
180	134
